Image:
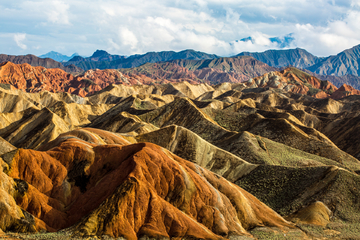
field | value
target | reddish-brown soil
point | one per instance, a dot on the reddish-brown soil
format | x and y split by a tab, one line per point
91	179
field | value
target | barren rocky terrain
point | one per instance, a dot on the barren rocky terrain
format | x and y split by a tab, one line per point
274	157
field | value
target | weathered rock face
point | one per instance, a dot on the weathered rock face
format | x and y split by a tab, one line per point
296	81
11	215
344	91
128	190
34	79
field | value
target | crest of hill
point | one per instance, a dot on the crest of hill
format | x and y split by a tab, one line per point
11	101
338	81
34	128
183	112
156	94
344	91
77	115
5	146
294	80
344	132
196	202
255	149
16	101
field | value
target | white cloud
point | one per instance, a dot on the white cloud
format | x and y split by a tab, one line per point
57	12
19	38
355	3
332	38
127	37
139	26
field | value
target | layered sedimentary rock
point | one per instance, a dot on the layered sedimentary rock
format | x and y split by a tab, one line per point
293	80
128	190
236	70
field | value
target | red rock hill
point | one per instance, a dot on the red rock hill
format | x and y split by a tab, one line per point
99	183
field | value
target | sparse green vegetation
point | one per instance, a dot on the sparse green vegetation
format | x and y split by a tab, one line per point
5	86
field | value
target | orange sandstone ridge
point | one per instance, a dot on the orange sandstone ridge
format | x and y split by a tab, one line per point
296	81
38	79
99	183
344	91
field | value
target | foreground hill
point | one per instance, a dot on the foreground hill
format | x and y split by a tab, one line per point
172	160
153	192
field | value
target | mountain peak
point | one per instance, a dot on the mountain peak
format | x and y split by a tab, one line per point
58	56
298	57
100	53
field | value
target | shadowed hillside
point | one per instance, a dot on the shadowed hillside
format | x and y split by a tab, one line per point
257	159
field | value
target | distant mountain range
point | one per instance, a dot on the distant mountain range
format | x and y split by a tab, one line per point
58	56
345	63
103	60
212	71
339	69
298	57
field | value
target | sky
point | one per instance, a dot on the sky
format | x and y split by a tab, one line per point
322	27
